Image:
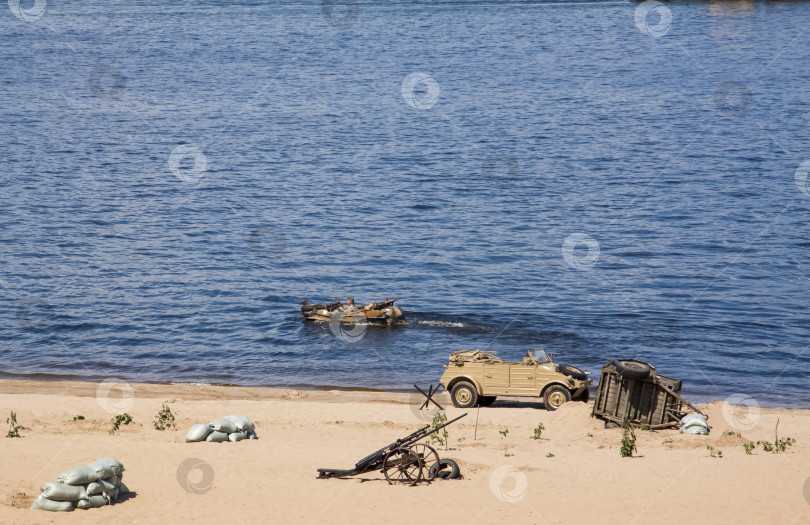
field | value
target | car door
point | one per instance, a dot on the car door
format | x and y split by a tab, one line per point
523	380
496	379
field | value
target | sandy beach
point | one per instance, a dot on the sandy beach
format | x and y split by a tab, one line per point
573	475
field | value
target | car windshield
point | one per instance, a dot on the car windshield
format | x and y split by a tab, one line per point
540	356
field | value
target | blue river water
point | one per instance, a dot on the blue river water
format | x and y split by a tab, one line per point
605	180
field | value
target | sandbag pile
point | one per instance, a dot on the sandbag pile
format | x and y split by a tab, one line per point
694	424
95	485
231	428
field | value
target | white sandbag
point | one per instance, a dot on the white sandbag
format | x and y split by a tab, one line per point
78	476
242	423
198	433
694	419
223	425
92	502
43	503
94	488
103	470
217	437
253	435
237	436
116	466
122	489
61	492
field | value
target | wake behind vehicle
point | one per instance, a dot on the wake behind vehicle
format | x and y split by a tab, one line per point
476	377
383	313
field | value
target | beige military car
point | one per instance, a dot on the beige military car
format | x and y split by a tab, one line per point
476	377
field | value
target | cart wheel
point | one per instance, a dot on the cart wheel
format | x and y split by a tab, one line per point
634	369
402	465
430	460
555	396
464	395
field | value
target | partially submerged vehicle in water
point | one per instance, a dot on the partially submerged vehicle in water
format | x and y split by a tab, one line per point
476	377
383	313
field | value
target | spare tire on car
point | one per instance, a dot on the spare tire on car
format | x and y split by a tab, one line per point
572	371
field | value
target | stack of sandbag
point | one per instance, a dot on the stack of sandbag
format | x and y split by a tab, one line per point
231	428
694	424
95	485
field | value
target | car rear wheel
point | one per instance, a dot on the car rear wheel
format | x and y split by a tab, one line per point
634	369
485	401
464	395
555	396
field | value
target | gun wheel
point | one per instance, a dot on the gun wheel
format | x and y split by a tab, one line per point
430	460
402	465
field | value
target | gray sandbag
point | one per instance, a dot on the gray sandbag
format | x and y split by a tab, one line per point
223	425
102	486
237	436
43	503
61	492
92	502
253	435
122	489
103	470
198	433
217	437
116	466
78	476
242	423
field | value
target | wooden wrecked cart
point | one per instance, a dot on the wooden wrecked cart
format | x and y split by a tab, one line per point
403	461
632	389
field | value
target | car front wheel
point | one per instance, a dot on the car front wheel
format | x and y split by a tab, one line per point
555	396
464	395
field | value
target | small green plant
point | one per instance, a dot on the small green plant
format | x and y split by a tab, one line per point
749	446
165	418
549	455
713	452
503	432
782	444
461	439
78	418
628	439
647	428
441	437
589	435
117	420
667	441
729	433
538	431
767	446
13	428
507	454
